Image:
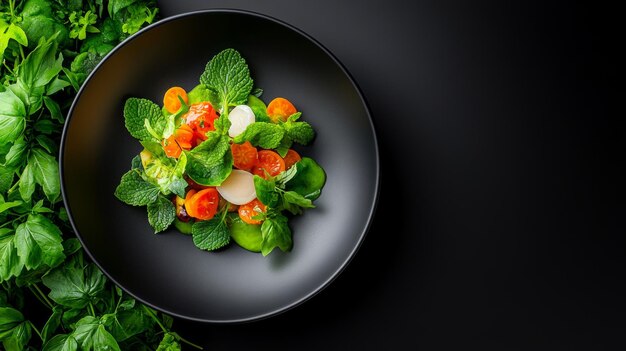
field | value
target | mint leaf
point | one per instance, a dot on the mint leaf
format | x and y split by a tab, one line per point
228	75
75	286
137	112
45	172
276	233
262	134
212	234
12	116
15	330
10	264
135	191
300	132
38	242
161	214
91	334
294	202
61	342
211	162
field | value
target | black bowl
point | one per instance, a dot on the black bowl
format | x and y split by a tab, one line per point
166	271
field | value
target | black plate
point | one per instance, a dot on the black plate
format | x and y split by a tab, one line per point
166	271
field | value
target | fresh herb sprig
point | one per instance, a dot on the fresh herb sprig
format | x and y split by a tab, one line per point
47	49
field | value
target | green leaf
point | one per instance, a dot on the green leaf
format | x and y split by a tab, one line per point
161	214
8	32
294	202
12	116
6	178
210	235
276	233
46	143
27	183
74	286
61	342
229	76
137	112
45	172
10	264
91	334
15	330
38	242
115	6
211	162
266	191
309	179
53	323
45	126
4	206
41	66
128	322
56	85
259	108
200	93
16	153
168	343
135	191
299	132
262	134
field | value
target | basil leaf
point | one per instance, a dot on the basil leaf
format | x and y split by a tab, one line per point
309	179
12	116
211	162
91	334
45	172
15	330
75	286
276	233
10	264
38	242
61	342
169	343
266	191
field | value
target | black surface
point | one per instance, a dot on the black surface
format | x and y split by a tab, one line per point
502	171
167	271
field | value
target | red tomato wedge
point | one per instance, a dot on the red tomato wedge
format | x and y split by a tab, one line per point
280	109
291	158
180	140
251	209
170	99
203	204
245	156
201	118
269	162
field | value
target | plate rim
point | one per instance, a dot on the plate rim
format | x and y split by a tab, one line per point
377	182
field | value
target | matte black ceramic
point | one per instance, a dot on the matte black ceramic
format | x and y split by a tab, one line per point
166	270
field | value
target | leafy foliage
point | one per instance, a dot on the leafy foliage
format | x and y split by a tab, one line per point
48	47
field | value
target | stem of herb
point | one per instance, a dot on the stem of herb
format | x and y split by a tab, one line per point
36	330
43	296
92	310
39	297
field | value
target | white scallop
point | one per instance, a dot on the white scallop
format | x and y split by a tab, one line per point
238	188
240	118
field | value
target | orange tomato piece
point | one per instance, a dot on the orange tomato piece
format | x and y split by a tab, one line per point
251	209
179	141
268	162
170	99
188	196
244	155
291	158
201	118
280	109
203	204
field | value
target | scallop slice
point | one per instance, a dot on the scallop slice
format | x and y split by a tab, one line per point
238	188
240	118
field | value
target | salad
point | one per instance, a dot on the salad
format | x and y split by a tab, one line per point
218	163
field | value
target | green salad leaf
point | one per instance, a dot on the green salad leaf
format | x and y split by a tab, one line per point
211	162
212	234
135	191
276	233
75	286
228	75
91	334
141	115
308	180
15	330
61	342
262	134
161	214
38	242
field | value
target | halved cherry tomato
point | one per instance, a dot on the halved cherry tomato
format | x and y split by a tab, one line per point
170	99
201	118
280	108
269	162
180	140
245	155
291	158
251	209
203	204
188	196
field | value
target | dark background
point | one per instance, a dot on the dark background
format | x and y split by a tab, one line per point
500	223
